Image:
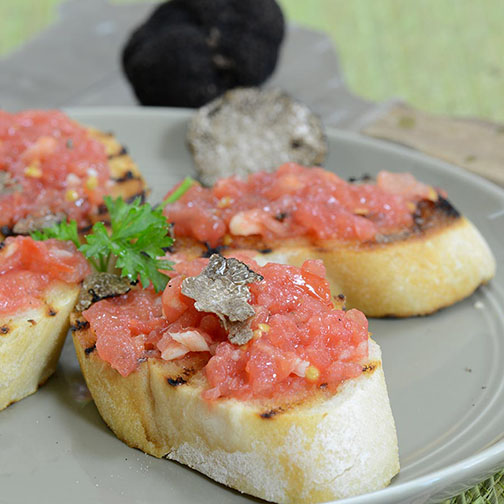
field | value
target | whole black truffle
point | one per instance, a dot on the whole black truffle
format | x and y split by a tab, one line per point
190	51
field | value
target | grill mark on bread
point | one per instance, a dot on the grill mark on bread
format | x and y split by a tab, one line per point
4	329
175	382
182	377
52	312
272	412
445	206
79	325
430	214
123	151
90	349
129	175
370	367
32	322
267	415
140	195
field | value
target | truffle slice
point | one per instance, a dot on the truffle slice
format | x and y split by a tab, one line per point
100	286
222	288
248	130
37	222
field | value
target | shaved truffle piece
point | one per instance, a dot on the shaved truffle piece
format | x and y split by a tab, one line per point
7	184
222	288
190	51
100	286
248	130
239	333
37	223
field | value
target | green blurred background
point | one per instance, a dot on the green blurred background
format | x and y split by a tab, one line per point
443	56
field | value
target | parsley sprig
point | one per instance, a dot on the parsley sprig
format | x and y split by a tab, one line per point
137	238
66	231
184	186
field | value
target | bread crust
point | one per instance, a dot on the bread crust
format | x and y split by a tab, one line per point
323	448
417	275
31	342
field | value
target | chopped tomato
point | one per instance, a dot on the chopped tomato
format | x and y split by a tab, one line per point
116	321
300	341
298	201
27	267
54	165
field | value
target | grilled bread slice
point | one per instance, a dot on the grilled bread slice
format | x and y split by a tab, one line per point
127	182
415	275
31	342
326	447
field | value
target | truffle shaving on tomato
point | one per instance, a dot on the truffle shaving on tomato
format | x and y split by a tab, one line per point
299	343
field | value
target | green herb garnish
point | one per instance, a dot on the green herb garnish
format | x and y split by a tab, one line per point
186	184
66	231
138	236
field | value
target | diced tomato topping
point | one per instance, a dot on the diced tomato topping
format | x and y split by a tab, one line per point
300	341
27	267
298	201
117	321
54	166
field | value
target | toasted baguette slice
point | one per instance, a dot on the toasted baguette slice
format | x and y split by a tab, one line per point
31	342
126	179
324	448
416	275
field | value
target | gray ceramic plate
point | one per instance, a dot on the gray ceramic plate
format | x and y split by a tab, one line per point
444	372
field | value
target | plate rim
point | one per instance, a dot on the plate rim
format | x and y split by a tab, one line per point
348	135
481	462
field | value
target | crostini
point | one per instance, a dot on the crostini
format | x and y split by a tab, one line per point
393	246
39	285
52	169
247	374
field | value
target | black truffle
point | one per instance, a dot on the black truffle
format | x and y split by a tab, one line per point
190	51
248	130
